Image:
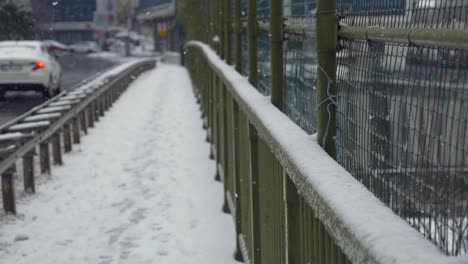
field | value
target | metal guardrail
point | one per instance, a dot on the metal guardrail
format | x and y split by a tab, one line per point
64	116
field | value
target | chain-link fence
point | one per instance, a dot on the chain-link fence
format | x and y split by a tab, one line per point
402	123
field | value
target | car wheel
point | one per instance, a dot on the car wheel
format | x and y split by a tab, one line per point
58	90
2	95
47	91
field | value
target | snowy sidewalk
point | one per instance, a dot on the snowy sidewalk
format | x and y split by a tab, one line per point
139	189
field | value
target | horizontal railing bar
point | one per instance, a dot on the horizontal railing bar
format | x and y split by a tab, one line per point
296	29
429	37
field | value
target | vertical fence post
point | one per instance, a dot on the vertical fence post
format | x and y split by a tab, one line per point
292	220
28	172
327	41
276	54
212	24
67	140
8	191
57	149
238	36
44	157
221	28
252	30
90	110
84	125
227	31
76	130
255	203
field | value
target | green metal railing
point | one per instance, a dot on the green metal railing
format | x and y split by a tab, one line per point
373	82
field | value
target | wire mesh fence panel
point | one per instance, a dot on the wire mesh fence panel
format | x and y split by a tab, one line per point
405	13
263	9
264	70
245	53
402	131
300	66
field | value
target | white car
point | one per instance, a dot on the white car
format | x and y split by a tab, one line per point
85	47
27	65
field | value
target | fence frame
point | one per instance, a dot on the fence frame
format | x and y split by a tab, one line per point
332	241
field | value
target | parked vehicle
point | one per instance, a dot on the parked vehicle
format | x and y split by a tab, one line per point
85	47
28	65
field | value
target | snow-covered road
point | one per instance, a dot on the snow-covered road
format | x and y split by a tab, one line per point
139	189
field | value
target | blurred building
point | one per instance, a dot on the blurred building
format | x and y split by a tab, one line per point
157	18
70	21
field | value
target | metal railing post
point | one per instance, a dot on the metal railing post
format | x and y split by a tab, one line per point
28	172
67	140
44	157
227	31
252	31
84	125
276	54
327	41
57	149
238	35
76	130
221	28
8	191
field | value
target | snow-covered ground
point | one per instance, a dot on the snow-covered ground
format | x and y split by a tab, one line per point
139	189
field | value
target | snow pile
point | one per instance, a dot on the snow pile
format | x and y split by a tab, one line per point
139	189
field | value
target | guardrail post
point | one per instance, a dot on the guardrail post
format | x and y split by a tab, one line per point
327	41
100	105
76	130
67	141
238	37
28	172
8	191
44	157
84	125
57	149
252	31
90	111
276	54
96	110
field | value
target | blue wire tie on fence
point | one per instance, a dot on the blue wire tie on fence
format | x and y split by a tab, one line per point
332	100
